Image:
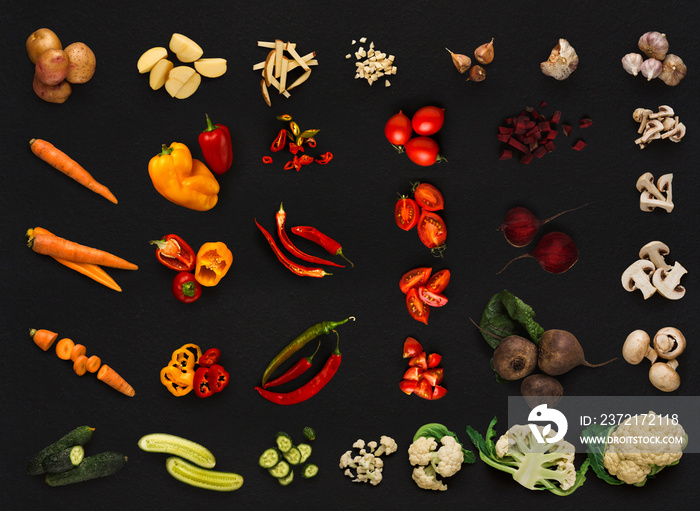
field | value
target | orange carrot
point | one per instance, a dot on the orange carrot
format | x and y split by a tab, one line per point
80	365
61	161
111	378
93	364
77	351
43	338
55	246
93	271
64	348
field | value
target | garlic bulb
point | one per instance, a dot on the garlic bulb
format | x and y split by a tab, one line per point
650	69
562	61
632	63
673	70
654	45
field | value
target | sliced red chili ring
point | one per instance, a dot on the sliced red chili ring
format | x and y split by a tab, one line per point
209	357
217	378
279	142
305	159
267	159
324	158
201	383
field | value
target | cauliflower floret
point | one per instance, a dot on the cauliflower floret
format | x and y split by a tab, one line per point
368	466
387	446
632	460
359	444
346	460
451	457
372	446
425	478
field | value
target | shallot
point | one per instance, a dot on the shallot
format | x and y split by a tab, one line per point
556	252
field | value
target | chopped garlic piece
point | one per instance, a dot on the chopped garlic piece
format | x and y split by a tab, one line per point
372	64
387	83
363	39
348	56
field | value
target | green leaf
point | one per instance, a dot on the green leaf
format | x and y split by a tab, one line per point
596	452
505	315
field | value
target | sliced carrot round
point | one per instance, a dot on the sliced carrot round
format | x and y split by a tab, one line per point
93	364
64	348
77	351
80	365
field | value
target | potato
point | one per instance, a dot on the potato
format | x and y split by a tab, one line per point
52	66
150	58
211	68
40	41
82	63
185	48
182	82
52	93
159	73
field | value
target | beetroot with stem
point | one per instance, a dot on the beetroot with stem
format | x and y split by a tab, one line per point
556	252
520	225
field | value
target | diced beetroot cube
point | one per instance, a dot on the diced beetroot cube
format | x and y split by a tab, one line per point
529	124
537	135
544	126
580	144
543	104
506	154
519	129
549	146
566	129
585	122
526	158
517	145
532	131
551	135
539	152
504	130
527	140
503	137
510	121
556	117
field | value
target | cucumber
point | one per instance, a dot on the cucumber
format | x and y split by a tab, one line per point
92	467
202	478
178	446
283	442
282	469
293	456
269	458
305	450
309	470
284	481
79	436
64	460
309	433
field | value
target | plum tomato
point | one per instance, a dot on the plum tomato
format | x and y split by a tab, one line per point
428	120
406	213
411	347
430	298
414	278
438	282
398	129
428	197
416	308
422	151
431	230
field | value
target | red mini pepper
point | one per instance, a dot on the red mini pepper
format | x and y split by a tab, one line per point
217	378
202	386
186	288
329	244
174	252
217	149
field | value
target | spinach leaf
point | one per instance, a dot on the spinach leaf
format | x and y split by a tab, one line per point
505	315
596	452
437	431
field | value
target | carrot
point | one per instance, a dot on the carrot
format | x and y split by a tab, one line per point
93	364
61	161
43	338
77	351
111	378
80	365
93	271
55	246
64	348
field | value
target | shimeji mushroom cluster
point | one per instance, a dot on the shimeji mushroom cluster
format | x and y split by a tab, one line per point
668	344
651	273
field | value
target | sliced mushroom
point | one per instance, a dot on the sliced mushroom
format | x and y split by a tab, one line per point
655	251
664	186
637	346
652	196
638	276
640	115
664	111
645	183
679	133
652	131
669	342
668	282
664	377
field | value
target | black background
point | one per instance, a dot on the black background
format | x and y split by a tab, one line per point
115	123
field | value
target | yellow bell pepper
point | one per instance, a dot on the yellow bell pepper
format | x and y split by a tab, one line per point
213	261
182	179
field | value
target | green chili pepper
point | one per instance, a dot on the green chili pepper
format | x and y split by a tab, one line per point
295	128
284	117
309	133
325	327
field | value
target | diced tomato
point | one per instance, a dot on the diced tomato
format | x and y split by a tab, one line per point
434	376
411	347
423	389
438	392
414	278
413	373
420	360
408	386
434	360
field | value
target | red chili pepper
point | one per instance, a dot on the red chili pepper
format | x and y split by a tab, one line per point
217	150
311	142
267	159
174	253
296	163
287	243
329	244
305	159
295	371
201	383
297	269
279	142
186	288
324	158
289	165
217	377
209	357
309	389
294	149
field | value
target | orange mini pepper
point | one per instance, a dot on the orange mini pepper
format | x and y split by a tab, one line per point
186	356
213	261
177	381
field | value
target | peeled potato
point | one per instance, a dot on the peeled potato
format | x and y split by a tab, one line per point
185	48
182	82
150	58
159	73
189	87
211	68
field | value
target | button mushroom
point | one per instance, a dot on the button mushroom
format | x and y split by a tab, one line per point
669	342
638	276
655	251
637	347
664	377
667	282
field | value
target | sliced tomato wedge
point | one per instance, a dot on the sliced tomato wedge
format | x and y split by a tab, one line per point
430	298
434	360
428	197
413	373
431	230
408	386
411	347
438	282
420	361
434	376
438	392
414	278
406	213
424	389
416	308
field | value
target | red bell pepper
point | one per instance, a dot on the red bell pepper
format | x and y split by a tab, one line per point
201	384
210	357
186	288
217	149
217	377
174	252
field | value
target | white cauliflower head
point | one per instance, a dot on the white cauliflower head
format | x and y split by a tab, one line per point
445	461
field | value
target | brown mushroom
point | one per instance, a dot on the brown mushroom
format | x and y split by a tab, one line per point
669	342
664	377
637	346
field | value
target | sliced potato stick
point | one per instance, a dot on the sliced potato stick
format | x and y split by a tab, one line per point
276	85
265	92
271	44
296	56
283	74
279	49
300	80
269	66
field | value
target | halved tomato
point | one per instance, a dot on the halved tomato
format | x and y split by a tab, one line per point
428	197
432	231
416	308
414	278
430	298
439	281
411	347
406	213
